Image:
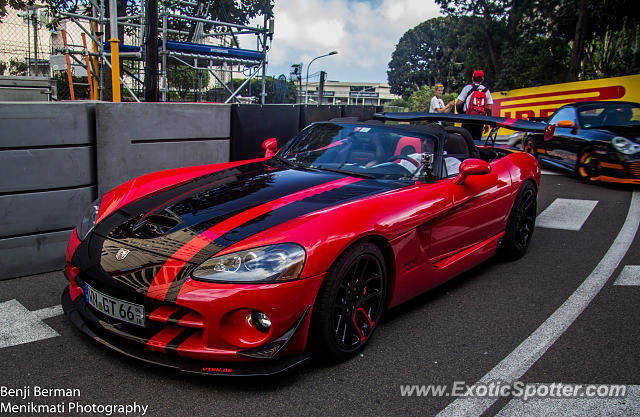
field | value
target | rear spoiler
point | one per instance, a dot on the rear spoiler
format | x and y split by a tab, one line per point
493	121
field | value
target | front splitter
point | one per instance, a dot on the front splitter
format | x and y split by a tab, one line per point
133	350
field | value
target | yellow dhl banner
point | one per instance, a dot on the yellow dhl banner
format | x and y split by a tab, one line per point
544	100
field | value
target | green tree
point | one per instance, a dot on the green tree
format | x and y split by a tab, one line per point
17	67
420	100
184	80
518	43
533	62
13	4
614	54
601	36
488	28
428	54
399	102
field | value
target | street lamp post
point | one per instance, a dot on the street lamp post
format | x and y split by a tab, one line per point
306	86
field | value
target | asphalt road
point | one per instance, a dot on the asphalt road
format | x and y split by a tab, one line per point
491	321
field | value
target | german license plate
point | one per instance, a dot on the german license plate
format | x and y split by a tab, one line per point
114	307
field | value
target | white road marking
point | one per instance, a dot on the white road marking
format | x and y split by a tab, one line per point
544	407
514	366
630	275
546	172
566	214
19	325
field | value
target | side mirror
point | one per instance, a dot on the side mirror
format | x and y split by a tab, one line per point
270	147
566	123
471	166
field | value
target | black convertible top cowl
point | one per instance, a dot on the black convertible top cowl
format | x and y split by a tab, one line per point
495	121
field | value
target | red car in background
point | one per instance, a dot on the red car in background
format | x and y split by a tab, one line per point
246	268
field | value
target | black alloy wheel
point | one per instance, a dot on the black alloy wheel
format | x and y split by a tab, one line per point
350	302
522	220
588	167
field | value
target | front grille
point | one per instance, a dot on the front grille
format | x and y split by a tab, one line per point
159	316
634	168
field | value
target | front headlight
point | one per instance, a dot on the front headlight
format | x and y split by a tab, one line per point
88	221
625	146
275	263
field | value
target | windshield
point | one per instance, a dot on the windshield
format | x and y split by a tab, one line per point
383	152
609	114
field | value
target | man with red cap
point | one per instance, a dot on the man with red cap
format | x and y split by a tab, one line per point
475	98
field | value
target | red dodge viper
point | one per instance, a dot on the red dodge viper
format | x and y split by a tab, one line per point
246	268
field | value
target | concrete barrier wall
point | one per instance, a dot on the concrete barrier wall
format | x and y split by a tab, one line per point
134	139
47	179
310	114
363	113
251	124
55	158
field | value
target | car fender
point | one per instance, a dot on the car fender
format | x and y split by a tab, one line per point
326	233
524	167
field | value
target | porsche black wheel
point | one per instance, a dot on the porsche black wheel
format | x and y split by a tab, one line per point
350	303
522	219
588	167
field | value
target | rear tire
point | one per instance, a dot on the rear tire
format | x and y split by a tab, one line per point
588	167
522	219
529	147
349	303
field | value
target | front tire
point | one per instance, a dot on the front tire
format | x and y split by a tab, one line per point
350	303
522	219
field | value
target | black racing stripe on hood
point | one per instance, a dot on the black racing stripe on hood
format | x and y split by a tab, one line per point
308	205
205	207
213	179
137	208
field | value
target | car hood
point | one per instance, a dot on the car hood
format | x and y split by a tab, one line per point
191	222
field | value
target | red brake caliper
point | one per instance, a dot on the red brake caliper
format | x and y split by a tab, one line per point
366	316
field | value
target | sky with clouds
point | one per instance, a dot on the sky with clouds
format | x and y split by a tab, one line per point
364	33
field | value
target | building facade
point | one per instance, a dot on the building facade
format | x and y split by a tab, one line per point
337	92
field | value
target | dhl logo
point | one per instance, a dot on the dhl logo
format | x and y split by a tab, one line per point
543	101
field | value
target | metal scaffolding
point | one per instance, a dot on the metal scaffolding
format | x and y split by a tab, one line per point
200	44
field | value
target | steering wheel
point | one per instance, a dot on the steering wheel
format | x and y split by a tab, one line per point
406	158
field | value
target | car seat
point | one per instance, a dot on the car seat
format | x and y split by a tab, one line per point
408	145
362	149
459	143
618	116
